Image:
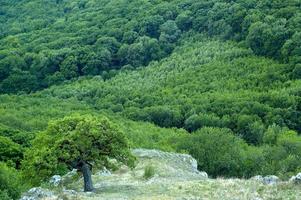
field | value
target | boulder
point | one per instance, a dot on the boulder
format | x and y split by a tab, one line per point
270	180
204	174
55	180
168	165
183	161
38	193
296	179
257	178
70	193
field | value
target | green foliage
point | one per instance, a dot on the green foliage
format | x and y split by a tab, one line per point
20	137
10	152
218	151
204	83
297	71
271	135
291	49
62	40
149	172
218	91
250	129
4	195
267	38
195	122
10	183
72	139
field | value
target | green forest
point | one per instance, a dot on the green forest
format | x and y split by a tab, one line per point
218	79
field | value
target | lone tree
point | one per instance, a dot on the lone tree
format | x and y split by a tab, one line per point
76	142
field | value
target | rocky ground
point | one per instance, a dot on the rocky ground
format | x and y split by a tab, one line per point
164	176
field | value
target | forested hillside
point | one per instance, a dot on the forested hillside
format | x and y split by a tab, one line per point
46	42
219	80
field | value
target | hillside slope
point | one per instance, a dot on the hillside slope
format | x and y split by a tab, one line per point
218	79
216	83
174	176
44	43
244	105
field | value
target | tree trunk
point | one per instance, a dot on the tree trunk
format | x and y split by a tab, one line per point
85	169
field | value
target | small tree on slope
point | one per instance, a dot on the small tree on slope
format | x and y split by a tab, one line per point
75	142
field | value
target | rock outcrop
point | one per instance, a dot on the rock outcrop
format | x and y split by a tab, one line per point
270	180
39	193
169	165
174	177
296	179
55	180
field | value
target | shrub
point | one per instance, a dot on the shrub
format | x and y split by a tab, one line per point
217	151
149	172
10	183
10	152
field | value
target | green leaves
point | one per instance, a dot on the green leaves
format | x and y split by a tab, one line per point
99	37
10	183
218	151
10	152
267	38
72	139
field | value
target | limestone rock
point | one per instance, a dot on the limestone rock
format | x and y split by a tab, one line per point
38	193
170	164
296	179
204	174
257	178
270	180
55	180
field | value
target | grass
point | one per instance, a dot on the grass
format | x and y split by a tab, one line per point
149	172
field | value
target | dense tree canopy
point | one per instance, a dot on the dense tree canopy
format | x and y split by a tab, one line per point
222	79
76	142
10	183
62	40
207	87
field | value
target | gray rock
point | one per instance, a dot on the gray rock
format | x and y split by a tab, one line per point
69	177
257	178
104	172
168	165
183	161
69	192
271	180
38	193
55	180
204	174
296	179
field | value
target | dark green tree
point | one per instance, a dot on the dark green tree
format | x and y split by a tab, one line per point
267	38
184	20
218	151
69	67
291	50
170	32
141	52
76	142
10	152
150	26
19	80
